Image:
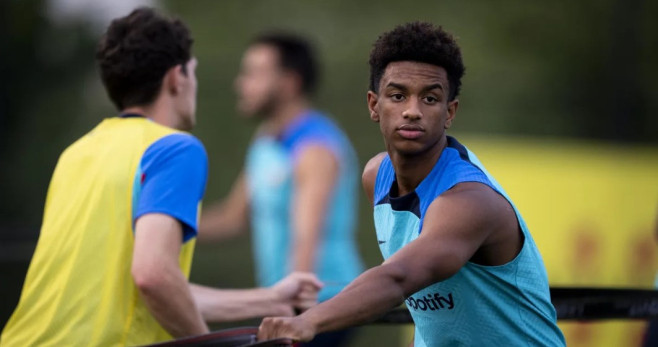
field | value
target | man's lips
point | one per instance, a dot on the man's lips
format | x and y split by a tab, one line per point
410	131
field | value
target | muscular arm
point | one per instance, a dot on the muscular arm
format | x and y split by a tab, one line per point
316	173
227	218
450	237
158	277
456	225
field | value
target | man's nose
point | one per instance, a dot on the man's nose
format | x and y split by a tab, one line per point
413	110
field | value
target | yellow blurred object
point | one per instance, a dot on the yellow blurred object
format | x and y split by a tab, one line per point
591	208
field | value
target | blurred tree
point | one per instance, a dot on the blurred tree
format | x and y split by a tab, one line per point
44	69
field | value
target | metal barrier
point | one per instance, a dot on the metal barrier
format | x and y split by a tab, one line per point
234	337
583	304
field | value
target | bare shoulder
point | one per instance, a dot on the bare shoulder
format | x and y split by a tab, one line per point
370	174
372	166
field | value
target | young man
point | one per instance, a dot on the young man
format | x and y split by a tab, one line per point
120	220
300	182
455	247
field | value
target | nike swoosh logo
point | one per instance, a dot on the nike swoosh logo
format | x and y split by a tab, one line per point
380	241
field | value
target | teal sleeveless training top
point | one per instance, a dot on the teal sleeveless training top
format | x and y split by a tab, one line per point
506	305
270	170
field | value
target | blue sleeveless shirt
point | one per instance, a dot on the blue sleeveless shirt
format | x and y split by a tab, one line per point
270	170
506	305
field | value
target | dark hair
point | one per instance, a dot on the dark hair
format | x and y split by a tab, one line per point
295	54
421	42
137	51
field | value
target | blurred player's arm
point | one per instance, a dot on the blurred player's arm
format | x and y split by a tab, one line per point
451	235
227	218
297	290
158	277
316	173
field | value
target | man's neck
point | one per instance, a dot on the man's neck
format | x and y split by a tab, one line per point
411	170
157	112
279	119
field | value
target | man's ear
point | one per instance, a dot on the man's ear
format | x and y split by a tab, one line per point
452	112
291	83
372	98
173	80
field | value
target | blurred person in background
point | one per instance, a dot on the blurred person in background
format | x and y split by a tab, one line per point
298	188
457	251
120	220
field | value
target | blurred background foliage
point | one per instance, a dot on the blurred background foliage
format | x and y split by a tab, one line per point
561	69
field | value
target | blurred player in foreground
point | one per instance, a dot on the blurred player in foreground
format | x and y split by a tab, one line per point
120	221
300	183
456	249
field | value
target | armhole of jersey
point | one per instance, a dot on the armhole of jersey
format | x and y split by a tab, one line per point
455	177
136	192
496	187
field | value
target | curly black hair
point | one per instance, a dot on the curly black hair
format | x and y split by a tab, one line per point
295	54
420	42
137	51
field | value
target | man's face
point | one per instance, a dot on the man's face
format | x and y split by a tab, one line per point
412	106
187	100
258	81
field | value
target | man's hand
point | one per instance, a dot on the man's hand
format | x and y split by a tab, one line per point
306	298
288	327
298	290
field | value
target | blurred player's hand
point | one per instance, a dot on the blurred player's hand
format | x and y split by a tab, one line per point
306	298
288	327
299	290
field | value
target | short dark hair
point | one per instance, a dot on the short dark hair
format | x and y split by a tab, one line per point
136	52
295	54
420	42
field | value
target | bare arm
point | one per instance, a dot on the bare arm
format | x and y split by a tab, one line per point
226	218
315	176
158	277
370	175
224	305
451	235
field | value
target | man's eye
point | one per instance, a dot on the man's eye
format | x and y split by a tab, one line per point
397	97
431	99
